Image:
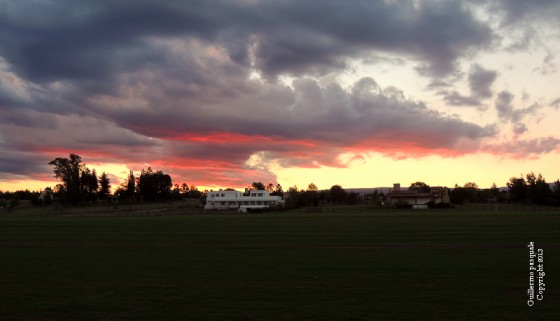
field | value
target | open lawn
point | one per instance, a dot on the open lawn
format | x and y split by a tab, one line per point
399	265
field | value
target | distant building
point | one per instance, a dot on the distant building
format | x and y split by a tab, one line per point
242	202
437	194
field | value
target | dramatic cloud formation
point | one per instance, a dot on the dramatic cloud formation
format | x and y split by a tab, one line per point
226	92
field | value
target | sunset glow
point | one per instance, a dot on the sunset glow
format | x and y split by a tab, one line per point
221	94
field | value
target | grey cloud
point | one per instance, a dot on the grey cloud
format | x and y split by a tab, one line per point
20	163
29	119
331	31
508	113
519	129
523	22
136	74
23	132
525	148
480	84
555	103
516	10
326	113
84	41
548	65
456	99
504	105
481	80
83	44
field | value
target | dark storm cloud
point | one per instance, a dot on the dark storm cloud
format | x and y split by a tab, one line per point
39	133
21	163
324	113
516	10
137	80
323	34
28	119
85	41
523	22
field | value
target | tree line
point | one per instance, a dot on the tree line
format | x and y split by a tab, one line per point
311	196
82	184
528	189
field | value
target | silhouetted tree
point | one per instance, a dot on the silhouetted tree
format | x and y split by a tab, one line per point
46	196
495	190
130	186
540	192
309	197
486	195
88	184
556	192
184	188
278	191
104	186
293	198
270	187
375	197
337	194
534	190
324	196
68	171
421	187
471	185
176	192
258	186
352	198
517	189
154	185
471	190
458	195
194	192
59	192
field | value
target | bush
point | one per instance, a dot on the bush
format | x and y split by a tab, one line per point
433	204
402	205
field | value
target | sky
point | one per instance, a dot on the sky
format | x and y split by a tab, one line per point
225	93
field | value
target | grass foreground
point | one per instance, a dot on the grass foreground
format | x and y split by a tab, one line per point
403	265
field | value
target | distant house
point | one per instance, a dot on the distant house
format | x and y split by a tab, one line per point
242	202
437	195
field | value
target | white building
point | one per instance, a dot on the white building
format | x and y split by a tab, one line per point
243	202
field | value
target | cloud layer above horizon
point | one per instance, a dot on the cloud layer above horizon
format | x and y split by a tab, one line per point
220	92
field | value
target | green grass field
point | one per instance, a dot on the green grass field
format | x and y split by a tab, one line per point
401	265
